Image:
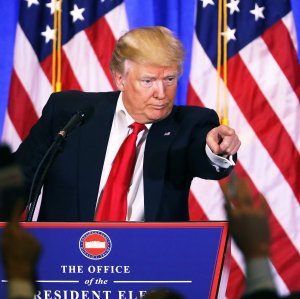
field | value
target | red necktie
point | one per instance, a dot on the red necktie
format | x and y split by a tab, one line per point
113	203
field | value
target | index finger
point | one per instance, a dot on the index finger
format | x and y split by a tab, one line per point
237	190
15	215
229	187
226	131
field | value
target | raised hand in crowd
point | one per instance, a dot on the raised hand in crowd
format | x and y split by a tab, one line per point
20	252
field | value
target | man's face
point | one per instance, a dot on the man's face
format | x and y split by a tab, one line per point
148	90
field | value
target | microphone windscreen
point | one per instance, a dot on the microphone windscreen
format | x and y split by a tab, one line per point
86	113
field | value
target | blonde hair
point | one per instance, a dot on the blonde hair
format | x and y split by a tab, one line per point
148	45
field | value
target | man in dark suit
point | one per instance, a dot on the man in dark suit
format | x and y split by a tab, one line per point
176	144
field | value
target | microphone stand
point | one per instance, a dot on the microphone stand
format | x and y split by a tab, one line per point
40	175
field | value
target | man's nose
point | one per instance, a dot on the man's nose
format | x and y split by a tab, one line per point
159	91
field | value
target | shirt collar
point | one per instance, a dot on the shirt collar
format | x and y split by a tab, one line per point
123	114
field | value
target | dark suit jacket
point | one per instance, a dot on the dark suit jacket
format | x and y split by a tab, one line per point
170	161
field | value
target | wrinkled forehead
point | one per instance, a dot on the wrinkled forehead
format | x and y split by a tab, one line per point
150	69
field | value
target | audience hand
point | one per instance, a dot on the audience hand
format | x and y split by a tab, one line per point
248	224
20	250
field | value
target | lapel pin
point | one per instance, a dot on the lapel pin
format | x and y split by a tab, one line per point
167	133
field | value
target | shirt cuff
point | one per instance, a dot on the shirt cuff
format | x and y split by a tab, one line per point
218	161
19	288
258	275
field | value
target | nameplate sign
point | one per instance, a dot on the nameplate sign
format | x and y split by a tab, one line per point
125	260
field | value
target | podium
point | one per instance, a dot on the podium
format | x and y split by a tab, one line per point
125	260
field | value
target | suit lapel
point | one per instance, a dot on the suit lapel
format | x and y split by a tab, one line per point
158	142
92	148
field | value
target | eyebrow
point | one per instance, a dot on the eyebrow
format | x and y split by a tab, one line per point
148	76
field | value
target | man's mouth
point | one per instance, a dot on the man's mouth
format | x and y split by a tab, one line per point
159	107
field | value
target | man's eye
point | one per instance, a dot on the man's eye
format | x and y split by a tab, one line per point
170	80
147	82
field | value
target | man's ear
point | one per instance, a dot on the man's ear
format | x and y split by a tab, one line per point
119	80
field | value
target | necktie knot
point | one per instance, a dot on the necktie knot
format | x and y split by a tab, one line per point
136	127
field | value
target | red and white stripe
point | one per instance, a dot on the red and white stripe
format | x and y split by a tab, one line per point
263	88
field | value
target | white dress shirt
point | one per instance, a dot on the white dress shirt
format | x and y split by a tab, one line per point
119	131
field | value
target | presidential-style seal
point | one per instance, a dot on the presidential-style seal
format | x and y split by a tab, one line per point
95	244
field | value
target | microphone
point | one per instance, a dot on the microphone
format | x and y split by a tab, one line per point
76	120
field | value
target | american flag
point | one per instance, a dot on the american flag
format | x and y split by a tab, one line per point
263	98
